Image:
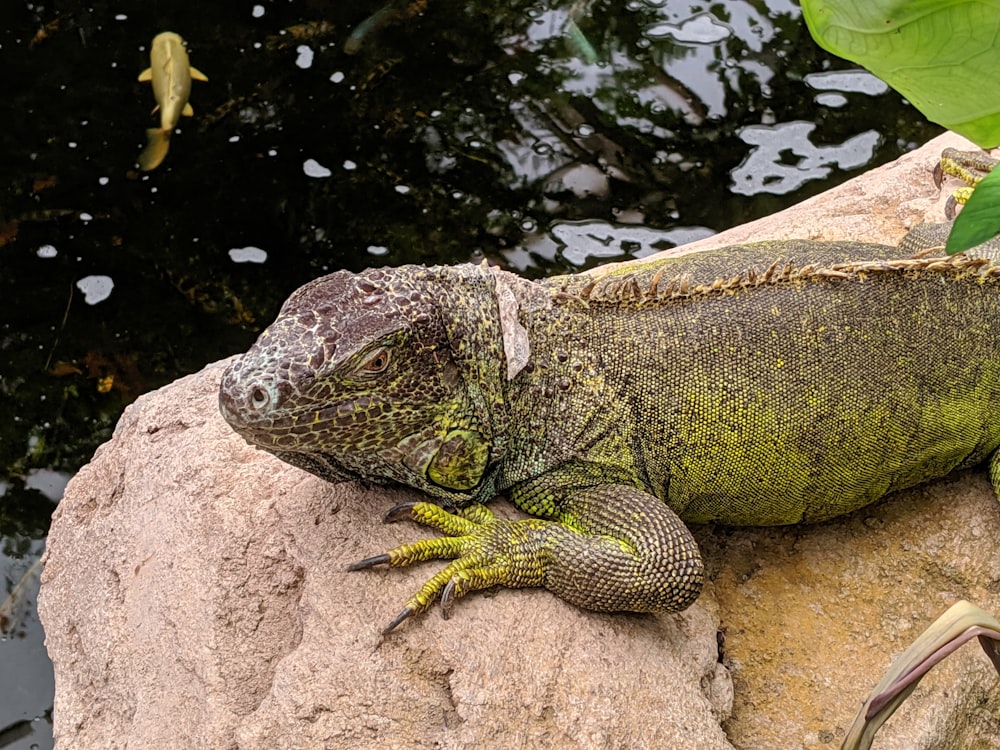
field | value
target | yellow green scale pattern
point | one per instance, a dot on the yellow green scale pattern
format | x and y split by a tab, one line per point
774	383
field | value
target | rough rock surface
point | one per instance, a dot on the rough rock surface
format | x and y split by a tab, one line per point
194	595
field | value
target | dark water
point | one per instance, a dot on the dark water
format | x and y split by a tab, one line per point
544	136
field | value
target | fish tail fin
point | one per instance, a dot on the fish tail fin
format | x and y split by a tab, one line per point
157	145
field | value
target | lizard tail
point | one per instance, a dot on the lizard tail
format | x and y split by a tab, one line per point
157	145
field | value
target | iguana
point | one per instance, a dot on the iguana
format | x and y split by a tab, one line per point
769	383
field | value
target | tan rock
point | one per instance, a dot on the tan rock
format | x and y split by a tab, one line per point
878	206
194	595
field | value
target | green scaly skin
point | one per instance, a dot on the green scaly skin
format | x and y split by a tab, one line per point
771	383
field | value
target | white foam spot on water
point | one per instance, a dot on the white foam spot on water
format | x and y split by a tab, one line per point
703	28
860	81
248	254
305	58
314	169
95	288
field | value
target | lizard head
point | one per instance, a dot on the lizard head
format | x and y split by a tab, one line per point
389	375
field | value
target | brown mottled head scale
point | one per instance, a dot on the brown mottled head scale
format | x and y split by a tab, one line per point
388	375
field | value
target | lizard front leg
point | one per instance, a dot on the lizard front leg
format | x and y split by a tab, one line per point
608	548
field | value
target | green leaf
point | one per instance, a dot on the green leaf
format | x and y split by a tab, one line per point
980	218
942	55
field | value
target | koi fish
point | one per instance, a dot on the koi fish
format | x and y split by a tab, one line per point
170	72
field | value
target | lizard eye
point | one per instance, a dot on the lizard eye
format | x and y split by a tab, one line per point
259	398
376	362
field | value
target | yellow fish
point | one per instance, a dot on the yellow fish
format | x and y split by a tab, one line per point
170	72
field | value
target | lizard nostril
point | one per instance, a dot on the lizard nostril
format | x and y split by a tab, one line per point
259	398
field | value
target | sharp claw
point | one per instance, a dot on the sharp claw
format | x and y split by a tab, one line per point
398	512
399	619
938	175
370	562
951	208
447	599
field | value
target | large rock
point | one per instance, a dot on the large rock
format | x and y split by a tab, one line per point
195	595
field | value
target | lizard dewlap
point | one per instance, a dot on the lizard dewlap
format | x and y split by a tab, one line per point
773	383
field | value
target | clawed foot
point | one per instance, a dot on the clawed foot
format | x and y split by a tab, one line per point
485	551
970	167
609	548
